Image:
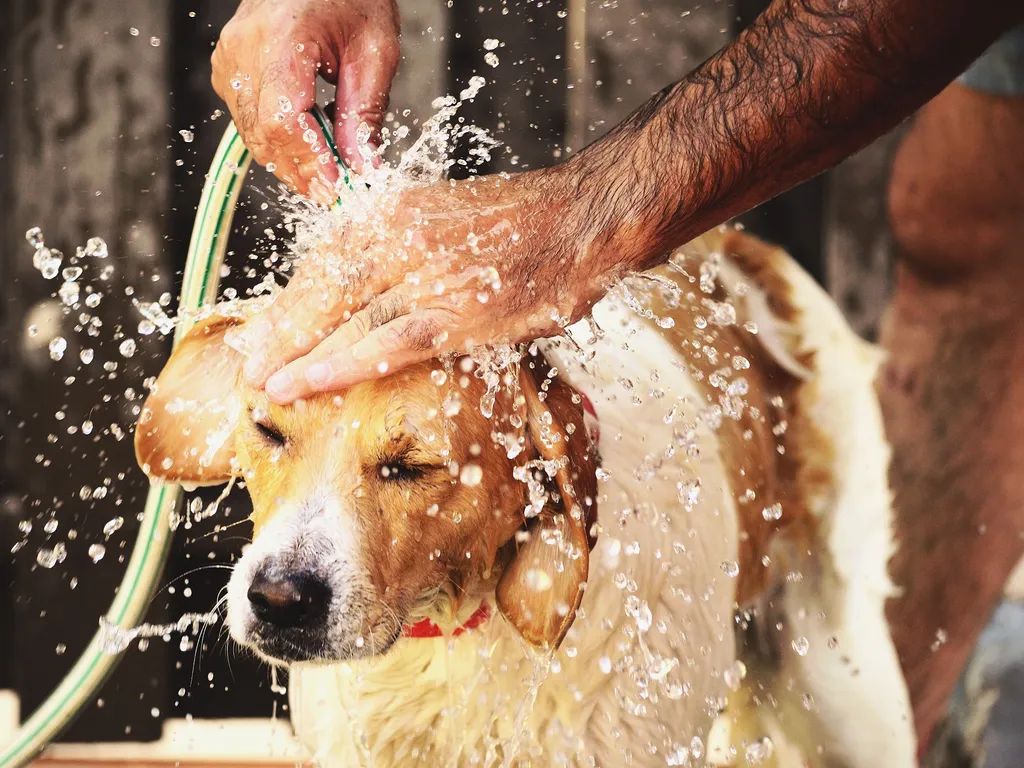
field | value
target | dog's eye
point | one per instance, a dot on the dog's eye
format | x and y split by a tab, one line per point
398	471
269	434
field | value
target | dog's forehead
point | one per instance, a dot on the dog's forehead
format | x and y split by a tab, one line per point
415	399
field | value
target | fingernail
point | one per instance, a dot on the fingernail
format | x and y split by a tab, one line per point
317	374
280	385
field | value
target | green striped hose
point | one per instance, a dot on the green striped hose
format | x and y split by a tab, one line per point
199	287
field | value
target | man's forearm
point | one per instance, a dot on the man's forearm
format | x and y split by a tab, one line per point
806	85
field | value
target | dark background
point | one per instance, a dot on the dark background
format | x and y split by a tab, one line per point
89	122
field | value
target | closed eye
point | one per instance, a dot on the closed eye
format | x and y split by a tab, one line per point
405	468
399	471
270	433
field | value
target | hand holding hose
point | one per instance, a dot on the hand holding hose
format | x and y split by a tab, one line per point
265	67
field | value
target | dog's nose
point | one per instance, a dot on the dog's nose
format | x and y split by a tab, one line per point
297	600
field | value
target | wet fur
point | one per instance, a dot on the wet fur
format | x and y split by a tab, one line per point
487	694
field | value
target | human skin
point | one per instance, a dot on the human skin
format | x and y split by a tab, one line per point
952	389
808	83
265	67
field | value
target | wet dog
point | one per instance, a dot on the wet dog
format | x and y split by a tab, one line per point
662	544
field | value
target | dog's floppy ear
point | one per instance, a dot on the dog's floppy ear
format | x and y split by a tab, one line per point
543	585
185	430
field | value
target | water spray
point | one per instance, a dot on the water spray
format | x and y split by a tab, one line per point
200	283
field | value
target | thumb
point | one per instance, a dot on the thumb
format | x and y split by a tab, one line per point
364	86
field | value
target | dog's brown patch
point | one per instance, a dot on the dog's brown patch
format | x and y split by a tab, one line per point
772	453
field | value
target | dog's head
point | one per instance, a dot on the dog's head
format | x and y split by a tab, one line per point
391	501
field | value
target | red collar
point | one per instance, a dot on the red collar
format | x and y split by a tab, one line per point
591	423
427	628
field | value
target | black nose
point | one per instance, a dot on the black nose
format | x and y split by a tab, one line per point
297	600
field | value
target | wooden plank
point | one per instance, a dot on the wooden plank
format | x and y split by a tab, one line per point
634	48
523	103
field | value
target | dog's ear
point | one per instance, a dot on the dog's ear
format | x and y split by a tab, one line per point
185	430
541	588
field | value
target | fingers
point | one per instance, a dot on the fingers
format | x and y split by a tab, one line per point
268	86
302	316
368	67
359	351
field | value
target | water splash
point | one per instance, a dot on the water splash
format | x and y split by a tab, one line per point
114	639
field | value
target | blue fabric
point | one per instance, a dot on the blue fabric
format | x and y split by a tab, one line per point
992	691
1000	70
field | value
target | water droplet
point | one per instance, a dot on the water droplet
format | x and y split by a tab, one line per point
382	367
439	377
96	552
69	293
112	526
471	474
186	135
759	751
127	348
537	580
773	512
801	645
731	568
96	248
735	674
61	649
604	664
155	42
34	236
721	312
643	617
490	44
697	747
491	59
47	558
47	261
58	345
133	31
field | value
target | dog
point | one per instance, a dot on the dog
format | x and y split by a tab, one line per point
661	540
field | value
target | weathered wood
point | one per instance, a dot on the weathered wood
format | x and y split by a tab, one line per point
86	119
523	104
634	49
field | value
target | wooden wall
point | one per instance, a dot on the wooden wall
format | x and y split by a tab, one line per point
85	119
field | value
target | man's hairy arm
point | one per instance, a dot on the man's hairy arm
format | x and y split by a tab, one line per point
806	85
810	82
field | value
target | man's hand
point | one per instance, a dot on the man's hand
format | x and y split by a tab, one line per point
503	260
265	67
450	266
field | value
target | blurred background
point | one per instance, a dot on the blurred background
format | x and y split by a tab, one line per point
107	127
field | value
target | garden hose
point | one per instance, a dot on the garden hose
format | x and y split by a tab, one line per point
199	288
